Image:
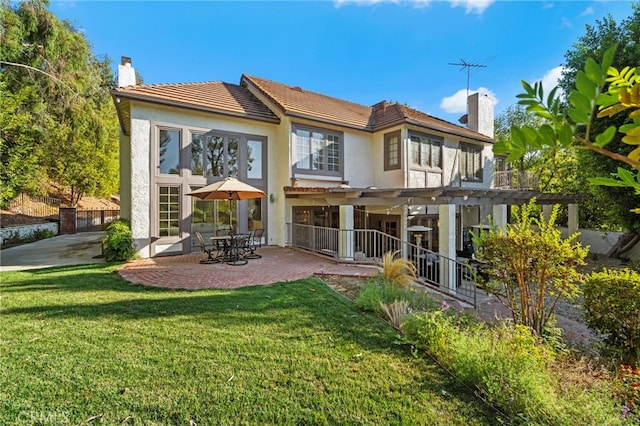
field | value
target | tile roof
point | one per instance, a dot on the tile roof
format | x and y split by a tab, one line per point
297	102
239	101
224	98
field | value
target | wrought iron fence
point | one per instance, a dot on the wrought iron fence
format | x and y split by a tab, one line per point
452	276
35	206
95	220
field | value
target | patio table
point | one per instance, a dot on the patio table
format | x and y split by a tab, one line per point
232	248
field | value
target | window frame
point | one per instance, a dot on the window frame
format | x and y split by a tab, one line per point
387	150
432	141
471	151
157	150
327	151
159	211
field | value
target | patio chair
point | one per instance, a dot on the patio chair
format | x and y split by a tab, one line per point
208	250
236	250
253	243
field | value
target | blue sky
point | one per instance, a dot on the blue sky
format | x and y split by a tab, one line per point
360	51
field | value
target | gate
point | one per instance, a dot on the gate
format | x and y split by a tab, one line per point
95	220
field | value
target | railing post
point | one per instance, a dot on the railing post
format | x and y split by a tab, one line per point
345	236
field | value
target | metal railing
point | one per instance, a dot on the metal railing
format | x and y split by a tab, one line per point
35	206
515	179
451	276
95	220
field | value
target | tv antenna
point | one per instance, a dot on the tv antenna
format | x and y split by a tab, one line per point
466	65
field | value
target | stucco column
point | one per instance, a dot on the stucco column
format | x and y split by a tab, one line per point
447	243
141	190
500	215
346	233
572	225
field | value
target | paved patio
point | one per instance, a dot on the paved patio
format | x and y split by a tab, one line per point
278	264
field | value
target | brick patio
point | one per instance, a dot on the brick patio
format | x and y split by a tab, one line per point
278	264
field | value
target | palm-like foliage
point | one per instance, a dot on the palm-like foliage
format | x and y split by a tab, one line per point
397	270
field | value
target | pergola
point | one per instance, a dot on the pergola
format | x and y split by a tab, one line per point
447	199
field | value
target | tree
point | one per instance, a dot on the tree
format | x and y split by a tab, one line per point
608	207
589	98
57	118
597	39
530	266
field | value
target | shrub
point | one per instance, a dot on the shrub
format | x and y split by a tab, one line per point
396	312
12	239
41	234
15	239
612	308
397	270
627	391
118	242
379	290
530	266
510	368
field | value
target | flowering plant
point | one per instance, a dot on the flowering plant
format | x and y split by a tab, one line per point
627	390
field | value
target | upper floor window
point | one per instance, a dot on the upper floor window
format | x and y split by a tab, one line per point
214	155
254	159
471	163
426	151
392	151
169	151
318	151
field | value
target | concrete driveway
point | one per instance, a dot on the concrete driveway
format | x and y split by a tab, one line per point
63	250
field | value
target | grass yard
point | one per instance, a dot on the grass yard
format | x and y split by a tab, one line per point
79	345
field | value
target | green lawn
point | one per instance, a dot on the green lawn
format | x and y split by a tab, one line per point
79	344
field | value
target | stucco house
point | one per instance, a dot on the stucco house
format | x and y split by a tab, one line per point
324	162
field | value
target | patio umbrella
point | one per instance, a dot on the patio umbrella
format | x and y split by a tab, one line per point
229	188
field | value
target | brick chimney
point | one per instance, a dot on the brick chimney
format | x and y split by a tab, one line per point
126	73
480	115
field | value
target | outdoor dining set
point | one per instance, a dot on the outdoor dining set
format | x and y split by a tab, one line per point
230	248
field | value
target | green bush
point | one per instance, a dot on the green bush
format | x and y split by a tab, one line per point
379	290
510	368
612	308
42	234
118	242
15	239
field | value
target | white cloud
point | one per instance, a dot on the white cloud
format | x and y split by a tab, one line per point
472	6
550	80
457	103
587	11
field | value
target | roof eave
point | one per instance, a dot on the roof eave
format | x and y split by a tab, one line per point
119	112
177	104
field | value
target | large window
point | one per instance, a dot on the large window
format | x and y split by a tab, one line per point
426	151
318	151
218	155
197	154
169	151
254	159
169	211
392	151
471	163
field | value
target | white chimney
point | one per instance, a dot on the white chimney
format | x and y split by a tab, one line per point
126	73
480	116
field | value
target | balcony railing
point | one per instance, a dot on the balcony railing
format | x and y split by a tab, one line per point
451	276
515	179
